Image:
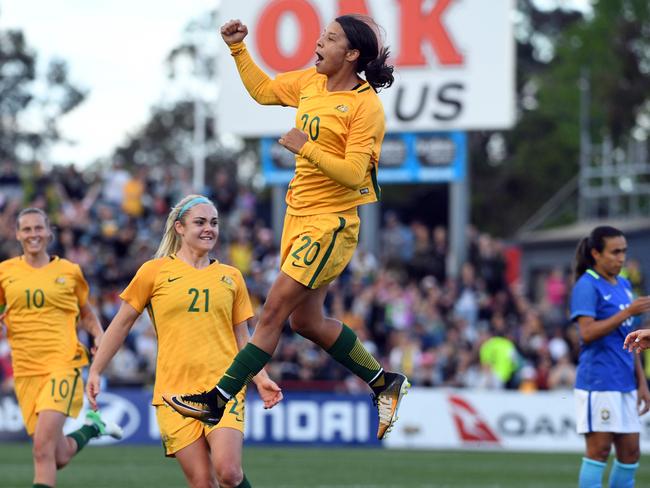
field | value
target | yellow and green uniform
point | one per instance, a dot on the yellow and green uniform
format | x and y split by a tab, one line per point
193	312
42	311
345	132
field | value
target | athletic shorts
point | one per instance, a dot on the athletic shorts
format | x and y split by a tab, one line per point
62	391
177	432
317	248
607	411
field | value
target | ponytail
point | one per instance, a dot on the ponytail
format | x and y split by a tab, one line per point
364	34
171	241
583	260
378	73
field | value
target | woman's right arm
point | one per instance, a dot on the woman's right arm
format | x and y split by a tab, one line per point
257	82
592	329
113	338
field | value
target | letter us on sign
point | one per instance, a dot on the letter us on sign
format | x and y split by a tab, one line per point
454	60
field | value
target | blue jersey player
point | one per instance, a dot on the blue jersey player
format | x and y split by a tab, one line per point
611	391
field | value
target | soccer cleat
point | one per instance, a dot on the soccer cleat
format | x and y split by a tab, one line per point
388	400
207	406
103	426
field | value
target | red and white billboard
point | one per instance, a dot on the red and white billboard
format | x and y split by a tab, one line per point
483	419
454	60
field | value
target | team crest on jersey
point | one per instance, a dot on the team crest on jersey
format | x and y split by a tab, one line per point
342	108
227	280
60	280
605	415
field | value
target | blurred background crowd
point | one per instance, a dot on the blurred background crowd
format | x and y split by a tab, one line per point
481	330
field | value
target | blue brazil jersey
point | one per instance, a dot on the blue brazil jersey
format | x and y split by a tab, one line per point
604	365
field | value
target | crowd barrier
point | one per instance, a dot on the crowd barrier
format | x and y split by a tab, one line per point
429	419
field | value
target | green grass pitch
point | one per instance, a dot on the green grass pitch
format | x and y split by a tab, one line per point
134	466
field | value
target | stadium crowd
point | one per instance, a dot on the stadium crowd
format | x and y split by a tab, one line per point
476	331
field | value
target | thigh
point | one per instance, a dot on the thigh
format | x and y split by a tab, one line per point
309	321
627	447
599	445
194	460
317	248
226	446
49	429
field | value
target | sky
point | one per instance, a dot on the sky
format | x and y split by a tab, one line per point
115	49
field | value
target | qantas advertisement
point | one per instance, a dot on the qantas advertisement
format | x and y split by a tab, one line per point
454	60
482	419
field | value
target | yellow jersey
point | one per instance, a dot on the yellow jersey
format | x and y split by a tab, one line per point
42	312
337	122
193	312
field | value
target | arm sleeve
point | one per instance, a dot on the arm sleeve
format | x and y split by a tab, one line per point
81	287
241	308
283	90
367	128
349	172
583	300
138	292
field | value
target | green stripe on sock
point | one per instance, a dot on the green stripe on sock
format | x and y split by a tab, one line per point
83	435
40	485
349	351
248	362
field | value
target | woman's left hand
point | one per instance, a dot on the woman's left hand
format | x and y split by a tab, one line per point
269	392
293	140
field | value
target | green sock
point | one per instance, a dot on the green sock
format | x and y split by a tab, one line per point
40	485
349	351
248	362
83	435
244	483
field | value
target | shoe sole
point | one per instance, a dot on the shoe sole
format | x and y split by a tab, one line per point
188	411
403	390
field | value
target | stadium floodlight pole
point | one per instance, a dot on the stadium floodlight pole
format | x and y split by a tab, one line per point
198	152
585	144
458	214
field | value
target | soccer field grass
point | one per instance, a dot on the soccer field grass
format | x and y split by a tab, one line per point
142	467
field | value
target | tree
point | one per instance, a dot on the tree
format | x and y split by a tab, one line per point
541	151
26	95
169	136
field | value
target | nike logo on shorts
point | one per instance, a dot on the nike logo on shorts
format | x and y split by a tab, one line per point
174	279
297	265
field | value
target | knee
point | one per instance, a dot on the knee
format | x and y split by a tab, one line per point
42	451
599	453
229	476
273	313
630	455
201	480
298	323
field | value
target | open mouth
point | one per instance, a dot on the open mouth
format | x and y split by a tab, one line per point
319	58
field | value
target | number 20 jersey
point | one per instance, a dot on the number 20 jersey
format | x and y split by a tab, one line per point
193	312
